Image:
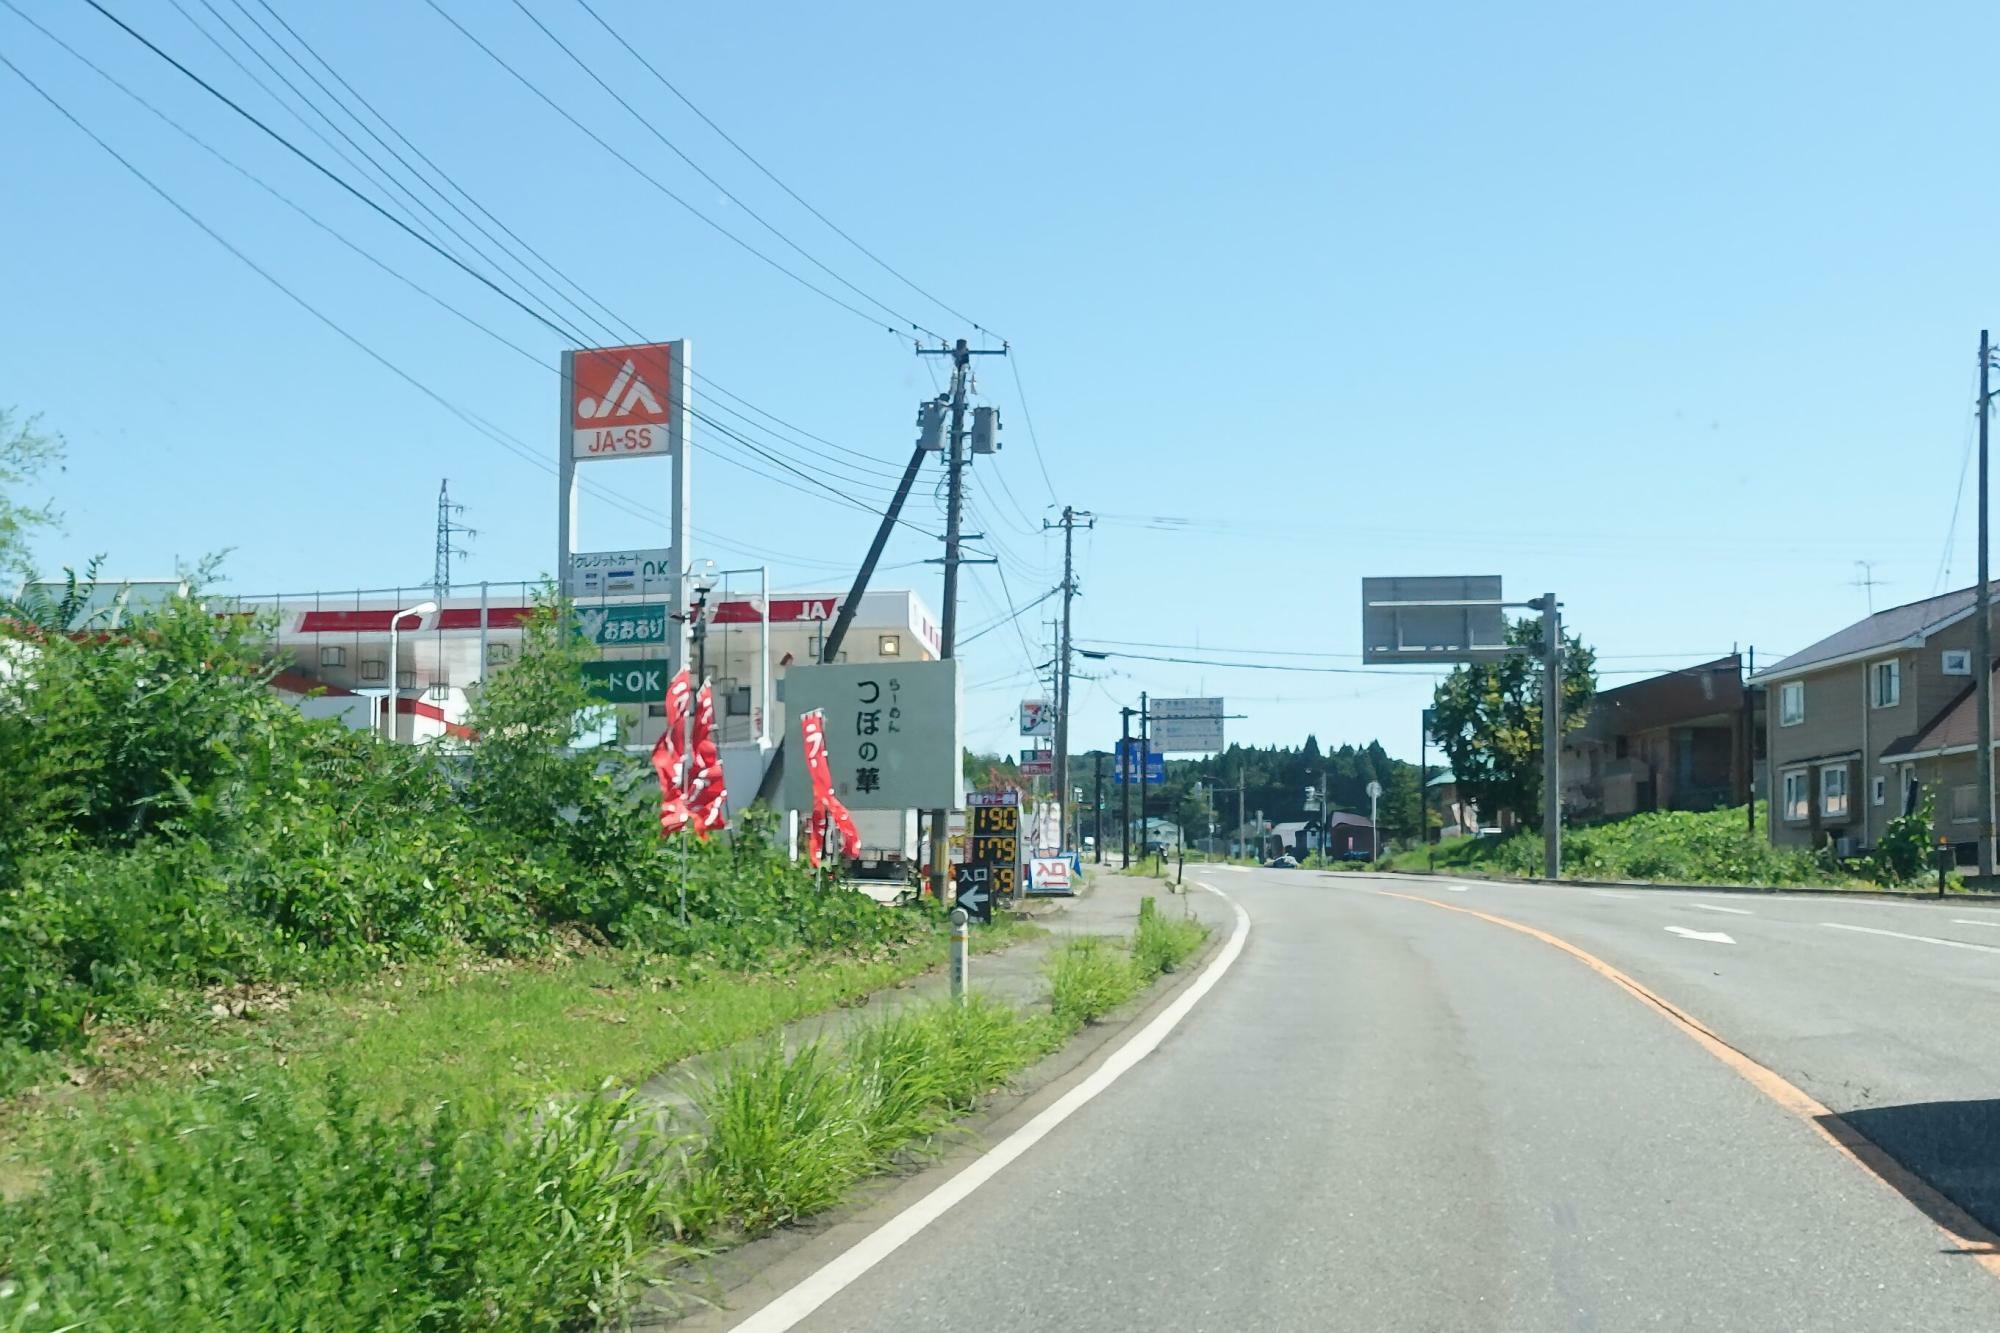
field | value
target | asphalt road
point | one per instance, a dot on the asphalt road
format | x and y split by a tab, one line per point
1387	1116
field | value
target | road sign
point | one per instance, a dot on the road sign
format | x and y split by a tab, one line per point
595	574
620	402
1048	874
1038	718
993	845
892	734
1446	619
641	682
973	892
622	624
1156	764
1038	763
1374	791
1181	726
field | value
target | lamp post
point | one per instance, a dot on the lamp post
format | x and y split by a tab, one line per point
395	676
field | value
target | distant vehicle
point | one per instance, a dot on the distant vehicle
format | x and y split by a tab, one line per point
1285	862
1491	831
1356	854
1156	849
1089	843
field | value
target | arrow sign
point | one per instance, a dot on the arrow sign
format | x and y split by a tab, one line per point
1712	936
972	893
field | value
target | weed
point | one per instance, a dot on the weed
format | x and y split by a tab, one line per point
1088	978
259	1205
1163	943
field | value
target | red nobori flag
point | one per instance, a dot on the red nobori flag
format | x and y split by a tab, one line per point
708	794
826	806
668	758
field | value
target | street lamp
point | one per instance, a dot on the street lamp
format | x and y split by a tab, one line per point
389	695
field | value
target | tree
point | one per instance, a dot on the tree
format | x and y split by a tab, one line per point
24	451
1489	721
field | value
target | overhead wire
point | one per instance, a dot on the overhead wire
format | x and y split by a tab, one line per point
699	170
771	176
546	318
481	425
640	171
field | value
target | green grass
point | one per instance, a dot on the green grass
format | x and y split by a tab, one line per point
789	1134
268	1204
1089	976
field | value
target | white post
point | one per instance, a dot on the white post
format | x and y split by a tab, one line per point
420	610
764	657
961	949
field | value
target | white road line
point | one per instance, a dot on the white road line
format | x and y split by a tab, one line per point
1234	870
822	1286
1458	888
1897	934
1962	921
1711	936
1606	893
1733	911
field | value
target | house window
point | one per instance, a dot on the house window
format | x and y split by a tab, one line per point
1833	791
499	654
1965	803
1885	684
889	645
1956	662
1878	791
440	692
1798	798
1791	703
373	668
332	657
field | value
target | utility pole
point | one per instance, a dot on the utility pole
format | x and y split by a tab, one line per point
1551	735
1984	627
1750	744
1097	812
699	614
1145	761
449	529
1424	788
961	375
1125	783
1239	814
1068	525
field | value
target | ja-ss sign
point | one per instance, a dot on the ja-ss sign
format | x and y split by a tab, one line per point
621	402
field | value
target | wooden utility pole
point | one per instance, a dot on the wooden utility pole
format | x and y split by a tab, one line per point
1068	525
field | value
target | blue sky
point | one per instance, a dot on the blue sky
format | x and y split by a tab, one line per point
1672	311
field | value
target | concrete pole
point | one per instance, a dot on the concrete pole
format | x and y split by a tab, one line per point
1983	630
961	951
1551	737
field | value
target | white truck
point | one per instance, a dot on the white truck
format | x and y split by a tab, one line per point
888	848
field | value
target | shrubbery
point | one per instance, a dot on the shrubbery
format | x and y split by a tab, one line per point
167	822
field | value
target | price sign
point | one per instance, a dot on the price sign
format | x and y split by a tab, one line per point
994	847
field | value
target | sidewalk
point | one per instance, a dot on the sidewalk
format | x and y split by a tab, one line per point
1109	906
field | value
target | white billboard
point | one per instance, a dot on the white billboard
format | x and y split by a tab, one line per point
1181	726
594	574
892	734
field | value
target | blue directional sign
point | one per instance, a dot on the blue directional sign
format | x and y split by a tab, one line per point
1156	765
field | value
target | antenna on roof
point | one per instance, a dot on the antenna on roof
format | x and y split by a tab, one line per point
1868	581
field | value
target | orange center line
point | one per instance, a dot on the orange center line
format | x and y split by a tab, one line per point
1964	1231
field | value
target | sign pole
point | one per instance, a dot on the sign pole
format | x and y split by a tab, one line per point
961	952
1551	737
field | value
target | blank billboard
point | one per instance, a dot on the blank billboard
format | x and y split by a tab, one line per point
1453	618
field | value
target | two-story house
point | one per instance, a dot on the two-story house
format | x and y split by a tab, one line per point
1856	722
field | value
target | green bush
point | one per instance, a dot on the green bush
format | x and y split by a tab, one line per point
1670	846
1163	943
1903	852
255	1205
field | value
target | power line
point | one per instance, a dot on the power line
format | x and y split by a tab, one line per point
1034	440
640	171
478	423
992	625
697	168
546	319
663	81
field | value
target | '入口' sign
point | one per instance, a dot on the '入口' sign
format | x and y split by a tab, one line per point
892	734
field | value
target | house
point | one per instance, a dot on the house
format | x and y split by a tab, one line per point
1859	722
1458	818
1164	832
1675	741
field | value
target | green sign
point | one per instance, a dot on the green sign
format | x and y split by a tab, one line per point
642	682
613	626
